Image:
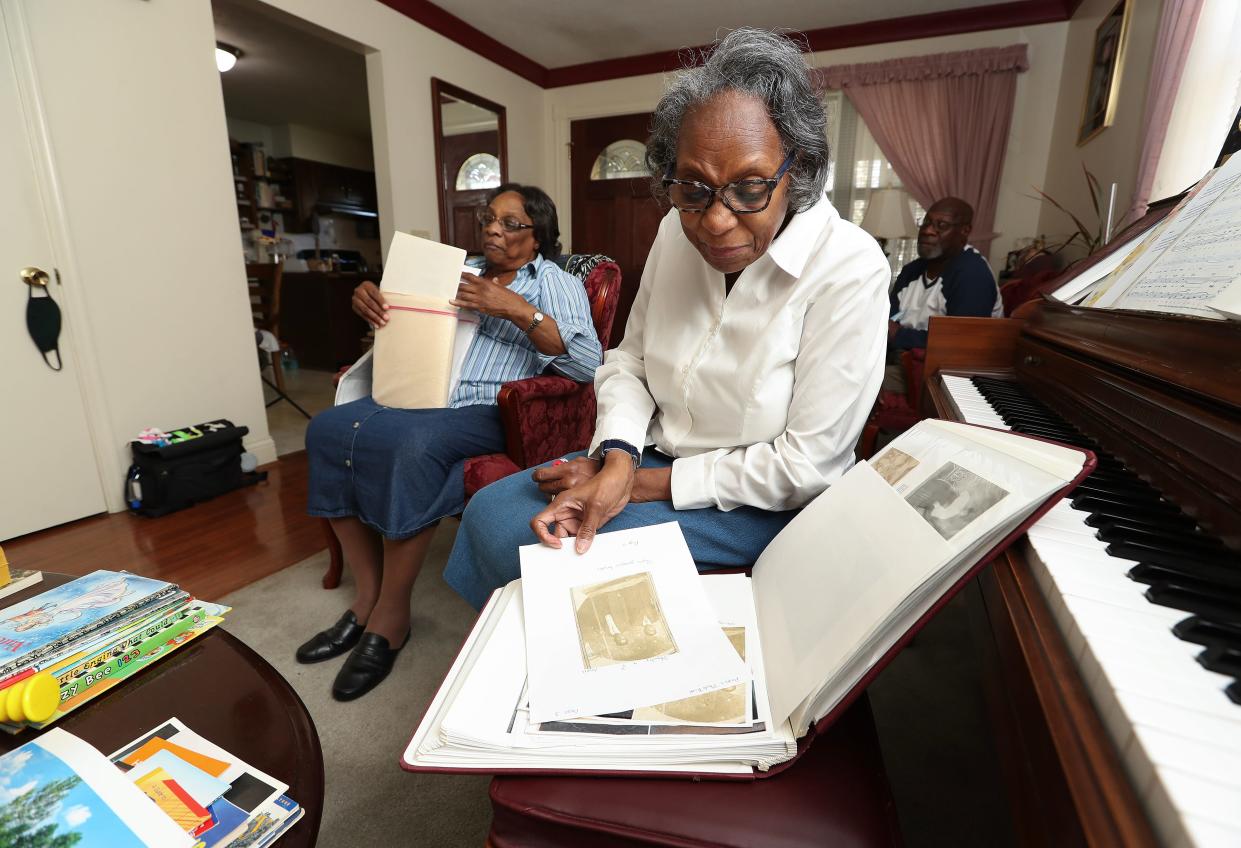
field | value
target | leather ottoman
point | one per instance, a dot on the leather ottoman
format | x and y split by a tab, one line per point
835	794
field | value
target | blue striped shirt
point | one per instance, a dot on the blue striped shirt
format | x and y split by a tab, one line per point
501	351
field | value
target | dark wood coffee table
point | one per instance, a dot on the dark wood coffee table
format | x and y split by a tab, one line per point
223	691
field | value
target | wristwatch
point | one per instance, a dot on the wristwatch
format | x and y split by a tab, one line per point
620	445
535	321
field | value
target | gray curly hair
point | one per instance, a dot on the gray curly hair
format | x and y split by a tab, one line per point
770	66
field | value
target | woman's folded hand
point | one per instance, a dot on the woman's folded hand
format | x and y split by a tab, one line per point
368	304
583	509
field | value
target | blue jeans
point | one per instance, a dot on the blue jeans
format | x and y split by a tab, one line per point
497	521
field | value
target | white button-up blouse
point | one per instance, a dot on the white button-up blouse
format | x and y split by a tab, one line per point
760	395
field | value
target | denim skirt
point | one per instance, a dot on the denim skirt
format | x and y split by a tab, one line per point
397	470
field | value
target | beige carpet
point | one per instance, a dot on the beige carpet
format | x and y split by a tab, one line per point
369	800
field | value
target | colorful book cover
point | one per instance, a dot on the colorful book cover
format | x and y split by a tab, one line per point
71	611
174	801
227	822
58	790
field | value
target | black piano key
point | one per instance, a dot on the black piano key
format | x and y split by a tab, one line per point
1167	595
1171	540
1201	631
1210	576
1123	508
1222	660
1160	555
1234	692
1164	521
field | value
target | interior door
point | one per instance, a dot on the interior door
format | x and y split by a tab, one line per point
613	210
48	470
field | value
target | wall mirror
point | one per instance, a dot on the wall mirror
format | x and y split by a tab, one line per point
471	158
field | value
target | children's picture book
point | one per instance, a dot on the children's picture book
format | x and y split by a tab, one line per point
71	611
58	790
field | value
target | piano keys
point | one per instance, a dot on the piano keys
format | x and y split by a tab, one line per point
1116	627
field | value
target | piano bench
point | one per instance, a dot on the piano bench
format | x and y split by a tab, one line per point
835	794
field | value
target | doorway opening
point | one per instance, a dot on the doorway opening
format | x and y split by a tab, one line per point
299	133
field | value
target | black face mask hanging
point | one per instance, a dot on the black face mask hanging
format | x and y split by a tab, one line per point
43	323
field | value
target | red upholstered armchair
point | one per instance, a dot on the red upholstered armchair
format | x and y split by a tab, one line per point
544	416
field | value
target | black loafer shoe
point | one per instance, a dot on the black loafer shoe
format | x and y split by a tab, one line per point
333	642
367	666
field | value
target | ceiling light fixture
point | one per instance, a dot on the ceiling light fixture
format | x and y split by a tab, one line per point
226	55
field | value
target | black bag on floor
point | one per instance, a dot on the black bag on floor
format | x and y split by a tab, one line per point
167	478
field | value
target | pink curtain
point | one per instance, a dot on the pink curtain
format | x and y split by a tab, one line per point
942	121
1177	24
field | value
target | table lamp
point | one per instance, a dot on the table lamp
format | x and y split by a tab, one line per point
888	216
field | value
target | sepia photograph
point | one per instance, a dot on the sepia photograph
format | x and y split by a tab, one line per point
620	621
894	464
953	497
722	706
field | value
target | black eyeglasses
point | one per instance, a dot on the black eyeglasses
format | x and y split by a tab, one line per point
940	225
743	197
511	225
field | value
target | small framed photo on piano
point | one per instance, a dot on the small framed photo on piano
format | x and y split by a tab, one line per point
1106	61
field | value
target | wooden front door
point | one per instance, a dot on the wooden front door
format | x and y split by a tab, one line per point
615	216
463	229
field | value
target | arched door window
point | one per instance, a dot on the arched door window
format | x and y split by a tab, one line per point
621	160
482	170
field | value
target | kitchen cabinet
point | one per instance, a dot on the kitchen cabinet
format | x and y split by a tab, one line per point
317	319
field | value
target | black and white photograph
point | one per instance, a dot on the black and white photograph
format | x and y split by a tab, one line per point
953	497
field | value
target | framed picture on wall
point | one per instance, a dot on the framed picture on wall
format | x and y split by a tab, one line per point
1103	81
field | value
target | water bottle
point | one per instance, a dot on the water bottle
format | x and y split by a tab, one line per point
133	487
288	360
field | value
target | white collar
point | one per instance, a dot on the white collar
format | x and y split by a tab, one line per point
791	249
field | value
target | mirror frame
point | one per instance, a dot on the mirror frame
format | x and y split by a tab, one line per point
438	87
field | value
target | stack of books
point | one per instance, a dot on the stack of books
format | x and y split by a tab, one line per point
70	644
169	788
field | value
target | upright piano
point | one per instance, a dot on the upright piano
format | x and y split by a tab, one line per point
1112	633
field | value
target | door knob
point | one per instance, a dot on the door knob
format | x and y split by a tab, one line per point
34	276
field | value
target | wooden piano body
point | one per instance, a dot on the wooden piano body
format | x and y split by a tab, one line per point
1163	394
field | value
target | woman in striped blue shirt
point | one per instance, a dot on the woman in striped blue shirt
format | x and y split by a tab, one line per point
385	477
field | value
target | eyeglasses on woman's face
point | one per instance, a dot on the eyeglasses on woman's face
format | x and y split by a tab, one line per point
743	197
510	225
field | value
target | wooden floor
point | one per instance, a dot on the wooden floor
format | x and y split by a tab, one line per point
209	550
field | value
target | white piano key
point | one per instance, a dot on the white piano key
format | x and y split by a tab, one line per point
1126	673
1038	532
1203	797
1208	834
1167	750
1198	726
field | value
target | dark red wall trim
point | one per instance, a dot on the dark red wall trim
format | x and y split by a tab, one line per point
453	28
952	22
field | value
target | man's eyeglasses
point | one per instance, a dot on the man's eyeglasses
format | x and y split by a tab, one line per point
940	225
743	197
511	225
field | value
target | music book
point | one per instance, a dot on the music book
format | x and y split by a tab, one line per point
830	602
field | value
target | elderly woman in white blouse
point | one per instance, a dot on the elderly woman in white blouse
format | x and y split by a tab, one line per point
754	350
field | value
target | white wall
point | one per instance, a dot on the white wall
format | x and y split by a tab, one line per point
1029	141
403	57
137	134
1112	155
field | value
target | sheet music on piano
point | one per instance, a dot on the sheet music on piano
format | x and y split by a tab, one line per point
1192	265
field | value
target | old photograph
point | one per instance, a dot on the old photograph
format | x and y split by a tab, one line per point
953	497
620	621
894	464
723	706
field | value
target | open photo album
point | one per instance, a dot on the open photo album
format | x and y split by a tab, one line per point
623	660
